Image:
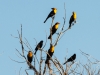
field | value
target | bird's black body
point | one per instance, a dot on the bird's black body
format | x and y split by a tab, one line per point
38	46
53	31
71	59
50	52
30	56
71	20
30	59
51	14
48	57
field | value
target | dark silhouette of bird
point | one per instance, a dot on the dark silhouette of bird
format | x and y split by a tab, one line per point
30	56
54	29
51	14
72	19
39	45
50	52
71	59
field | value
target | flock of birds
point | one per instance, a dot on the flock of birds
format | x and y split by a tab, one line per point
54	29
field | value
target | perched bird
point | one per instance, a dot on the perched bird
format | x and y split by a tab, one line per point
54	29
30	56
72	19
39	45
71	59
51	14
50	52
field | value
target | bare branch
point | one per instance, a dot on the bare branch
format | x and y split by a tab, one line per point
29	46
14	36
60	33
35	41
51	29
60	65
44	69
20	70
26	72
46	40
16	61
40	63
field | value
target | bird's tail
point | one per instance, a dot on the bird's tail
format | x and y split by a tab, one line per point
69	26
47	61
29	65
46	19
65	63
35	52
49	37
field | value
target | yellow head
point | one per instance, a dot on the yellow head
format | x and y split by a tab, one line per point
74	15
30	54
54	10
56	25
52	48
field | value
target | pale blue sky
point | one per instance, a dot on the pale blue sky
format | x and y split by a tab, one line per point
84	35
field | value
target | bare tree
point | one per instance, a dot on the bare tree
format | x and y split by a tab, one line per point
54	67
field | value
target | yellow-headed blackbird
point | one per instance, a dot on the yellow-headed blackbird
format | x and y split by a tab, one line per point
50	52
54	29
72	19
51	14
71	59
38	46
30	56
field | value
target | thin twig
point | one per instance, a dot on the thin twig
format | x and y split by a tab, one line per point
14	36
46	40
28	44
51	29
20	70
60	33
16	61
60	65
40	62
52	60
26	72
44	69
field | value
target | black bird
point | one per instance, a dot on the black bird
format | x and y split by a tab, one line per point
54	29
72	19
39	45
30	56
51	14
50	52
71	59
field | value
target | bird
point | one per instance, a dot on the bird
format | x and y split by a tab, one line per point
51	14
72	19
54	29
39	45
30	56
71	59
50	52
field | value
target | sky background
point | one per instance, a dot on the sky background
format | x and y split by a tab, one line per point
84	35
